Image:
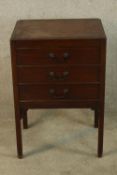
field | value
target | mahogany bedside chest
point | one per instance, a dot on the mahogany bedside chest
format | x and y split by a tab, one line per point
58	64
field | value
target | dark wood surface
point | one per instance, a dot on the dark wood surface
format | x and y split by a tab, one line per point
58	29
58	74
58	91
43	56
58	64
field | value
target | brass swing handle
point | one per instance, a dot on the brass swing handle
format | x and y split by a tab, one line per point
53	57
52	93
54	76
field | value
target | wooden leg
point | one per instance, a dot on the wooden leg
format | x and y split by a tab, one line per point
24	117
18	135
96	118
100	132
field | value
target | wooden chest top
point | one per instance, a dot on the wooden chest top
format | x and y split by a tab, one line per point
58	29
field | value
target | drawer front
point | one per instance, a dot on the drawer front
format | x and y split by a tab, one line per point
51	92
58	74
58	56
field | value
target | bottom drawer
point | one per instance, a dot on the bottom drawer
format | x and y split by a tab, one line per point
51	92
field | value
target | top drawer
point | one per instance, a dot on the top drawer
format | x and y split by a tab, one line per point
53	56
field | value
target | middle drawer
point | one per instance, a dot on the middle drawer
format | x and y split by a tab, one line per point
38	74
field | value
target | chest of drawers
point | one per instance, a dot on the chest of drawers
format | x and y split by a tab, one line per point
58	64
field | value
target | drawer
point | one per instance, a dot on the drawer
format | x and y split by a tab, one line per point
38	74
60	91
58	56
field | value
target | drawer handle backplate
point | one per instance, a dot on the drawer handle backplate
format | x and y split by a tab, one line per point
54	76
52	93
53	57
66	56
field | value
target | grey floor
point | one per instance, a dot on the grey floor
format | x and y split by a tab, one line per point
58	142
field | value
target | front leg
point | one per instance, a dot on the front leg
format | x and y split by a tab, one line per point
18	133
100	132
